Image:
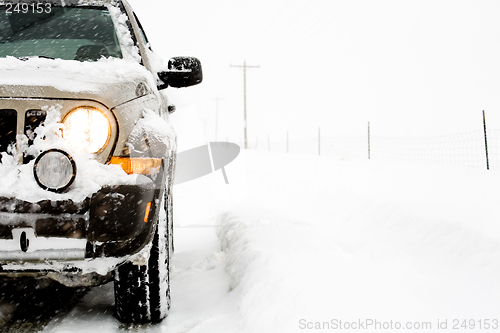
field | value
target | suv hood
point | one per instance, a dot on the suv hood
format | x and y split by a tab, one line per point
109	81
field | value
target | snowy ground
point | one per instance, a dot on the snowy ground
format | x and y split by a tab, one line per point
322	241
317	241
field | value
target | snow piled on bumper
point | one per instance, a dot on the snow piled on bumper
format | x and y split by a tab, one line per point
18	181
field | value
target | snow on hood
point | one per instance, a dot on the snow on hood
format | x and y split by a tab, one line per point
110	81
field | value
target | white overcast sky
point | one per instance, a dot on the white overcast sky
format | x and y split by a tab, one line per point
411	68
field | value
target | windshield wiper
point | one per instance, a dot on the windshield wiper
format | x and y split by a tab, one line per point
31	57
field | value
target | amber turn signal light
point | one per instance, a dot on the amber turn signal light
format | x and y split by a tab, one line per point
133	165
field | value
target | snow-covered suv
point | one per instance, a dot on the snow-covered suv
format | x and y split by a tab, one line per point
87	152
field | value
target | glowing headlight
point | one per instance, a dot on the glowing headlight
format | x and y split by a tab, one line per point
87	128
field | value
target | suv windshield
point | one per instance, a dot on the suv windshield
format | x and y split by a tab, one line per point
79	33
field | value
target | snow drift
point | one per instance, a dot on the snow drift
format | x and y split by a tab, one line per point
322	241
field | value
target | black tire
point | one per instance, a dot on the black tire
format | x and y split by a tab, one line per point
170	217
142	293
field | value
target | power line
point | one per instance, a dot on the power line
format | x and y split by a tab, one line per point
245	66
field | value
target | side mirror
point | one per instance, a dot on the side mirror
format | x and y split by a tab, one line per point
182	72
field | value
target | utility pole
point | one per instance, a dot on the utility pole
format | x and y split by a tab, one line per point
245	66
216	114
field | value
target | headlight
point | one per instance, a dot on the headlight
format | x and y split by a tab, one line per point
54	170
87	128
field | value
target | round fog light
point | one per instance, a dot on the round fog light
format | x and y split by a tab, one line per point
54	170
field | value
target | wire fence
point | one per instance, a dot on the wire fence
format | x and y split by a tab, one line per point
464	149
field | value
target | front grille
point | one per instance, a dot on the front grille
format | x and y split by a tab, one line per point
32	120
8	127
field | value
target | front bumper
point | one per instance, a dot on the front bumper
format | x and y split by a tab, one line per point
69	238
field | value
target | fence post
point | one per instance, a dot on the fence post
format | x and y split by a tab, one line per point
486	142
319	141
369	140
